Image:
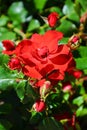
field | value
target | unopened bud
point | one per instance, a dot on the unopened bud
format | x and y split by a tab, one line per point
39	106
8	45
77	73
45	88
52	19
74	42
14	63
66	87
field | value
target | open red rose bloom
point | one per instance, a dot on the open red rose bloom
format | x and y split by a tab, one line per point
43	58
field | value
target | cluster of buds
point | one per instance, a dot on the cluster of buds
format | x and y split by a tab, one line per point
40	105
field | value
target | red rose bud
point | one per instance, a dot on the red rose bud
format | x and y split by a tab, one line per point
39	106
66	86
77	73
45	88
14	64
74	42
52	19
8	45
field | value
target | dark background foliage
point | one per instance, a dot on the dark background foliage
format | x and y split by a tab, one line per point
19	20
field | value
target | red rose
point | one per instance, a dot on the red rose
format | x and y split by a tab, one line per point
9	46
14	64
43	57
39	106
52	19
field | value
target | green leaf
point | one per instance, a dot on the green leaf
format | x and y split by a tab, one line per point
67	27
68	7
5	125
81	63
3	59
56	9
3	20
3	30
63	41
20	89
17	12
7	79
81	111
50	123
81	51
78	101
35	117
30	92
83	4
7	36
70	11
40	4
34	24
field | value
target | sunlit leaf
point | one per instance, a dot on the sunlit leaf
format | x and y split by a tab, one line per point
69	10
40	4
20	89
78	101
63	41
17	12
81	63
66	27
7	36
34	24
3	20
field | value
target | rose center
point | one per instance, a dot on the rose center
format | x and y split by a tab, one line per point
43	52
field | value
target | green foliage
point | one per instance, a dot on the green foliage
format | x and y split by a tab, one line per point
67	27
70	12
84	6
63	40
20	89
19	20
35	117
80	63
4	125
8	35
3	20
34	24
5	108
78	101
7	79
51	124
40	4
17	12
